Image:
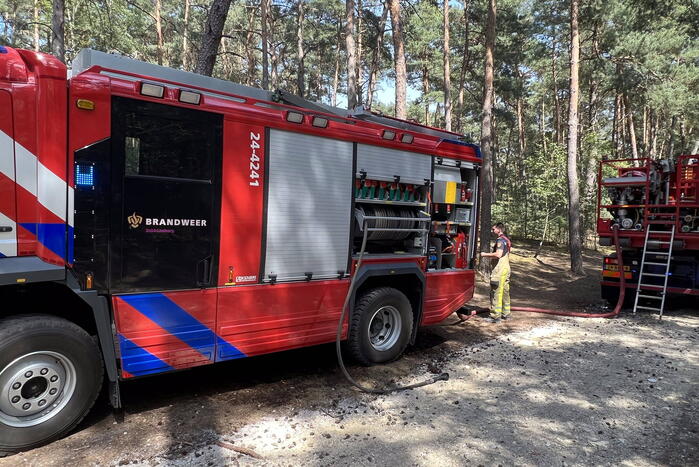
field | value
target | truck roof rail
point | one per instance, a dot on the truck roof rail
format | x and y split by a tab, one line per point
88	58
361	113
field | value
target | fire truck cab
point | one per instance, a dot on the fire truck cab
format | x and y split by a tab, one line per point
153	220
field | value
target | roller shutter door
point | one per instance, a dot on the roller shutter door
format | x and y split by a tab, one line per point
384	164
308	206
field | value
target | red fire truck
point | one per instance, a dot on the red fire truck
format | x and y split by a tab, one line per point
153	220
655	206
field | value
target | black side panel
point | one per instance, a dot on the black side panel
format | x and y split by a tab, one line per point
92	212
166	169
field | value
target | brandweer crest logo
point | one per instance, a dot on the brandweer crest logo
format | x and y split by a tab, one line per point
134	220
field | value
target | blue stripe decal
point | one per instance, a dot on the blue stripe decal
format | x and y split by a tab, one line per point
1	255
53	237
169	316
225	351
30	226
138	361
71	236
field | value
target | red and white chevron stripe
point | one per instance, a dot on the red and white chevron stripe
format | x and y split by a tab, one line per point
36	202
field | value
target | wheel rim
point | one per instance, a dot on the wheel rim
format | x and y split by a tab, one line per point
35	387
384	328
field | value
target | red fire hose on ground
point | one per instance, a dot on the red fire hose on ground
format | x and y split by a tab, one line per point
611	314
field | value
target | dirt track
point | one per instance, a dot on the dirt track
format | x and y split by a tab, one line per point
535	391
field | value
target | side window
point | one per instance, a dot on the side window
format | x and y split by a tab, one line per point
162	144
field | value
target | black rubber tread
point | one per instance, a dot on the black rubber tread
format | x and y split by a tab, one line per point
360	349
22	333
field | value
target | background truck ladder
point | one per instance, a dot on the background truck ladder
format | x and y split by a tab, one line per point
667	253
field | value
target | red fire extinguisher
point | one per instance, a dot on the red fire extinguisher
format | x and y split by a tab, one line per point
460	249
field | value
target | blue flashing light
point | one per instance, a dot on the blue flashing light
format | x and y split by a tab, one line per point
84	175
3	50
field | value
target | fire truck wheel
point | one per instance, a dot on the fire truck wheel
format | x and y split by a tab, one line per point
380	327
50	376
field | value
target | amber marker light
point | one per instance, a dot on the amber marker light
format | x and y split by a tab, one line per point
85	104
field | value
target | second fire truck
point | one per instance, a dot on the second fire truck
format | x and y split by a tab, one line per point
654	204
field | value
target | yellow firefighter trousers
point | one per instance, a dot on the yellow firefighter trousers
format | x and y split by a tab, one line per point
500	289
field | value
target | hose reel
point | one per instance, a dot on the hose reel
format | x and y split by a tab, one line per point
388	222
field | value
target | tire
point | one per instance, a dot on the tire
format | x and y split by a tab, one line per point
49	359
380	326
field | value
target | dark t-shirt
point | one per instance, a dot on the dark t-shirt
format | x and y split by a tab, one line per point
501	242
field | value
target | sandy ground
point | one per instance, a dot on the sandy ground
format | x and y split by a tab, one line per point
536	390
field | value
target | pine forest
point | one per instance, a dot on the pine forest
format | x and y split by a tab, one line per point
548	88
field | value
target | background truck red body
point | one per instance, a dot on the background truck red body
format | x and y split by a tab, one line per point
663	195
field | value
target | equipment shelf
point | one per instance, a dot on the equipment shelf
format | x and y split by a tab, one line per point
452	223
389	202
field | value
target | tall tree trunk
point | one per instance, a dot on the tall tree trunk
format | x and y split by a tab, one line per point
556	97
521	134
401	109
487	136
632	131
358	58
590	187
465	58
655	129
351	55
542	126
225	58
274	51
249	45
426	91
683	137
58	47
447	70
646	127
157	6
264	13
336	78
546	228
615	127
374	70
212	37
574	242
300	78
185	36
36	26
671	147
624	126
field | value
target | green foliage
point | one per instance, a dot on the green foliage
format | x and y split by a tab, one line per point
639	63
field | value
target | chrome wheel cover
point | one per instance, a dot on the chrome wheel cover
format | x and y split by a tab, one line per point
385	328
35	387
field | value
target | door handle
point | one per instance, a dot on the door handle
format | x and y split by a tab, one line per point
5	228
204	271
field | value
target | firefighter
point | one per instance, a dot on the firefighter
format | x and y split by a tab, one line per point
500	277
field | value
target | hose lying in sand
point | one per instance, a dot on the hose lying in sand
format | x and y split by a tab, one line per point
338	338
611	314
